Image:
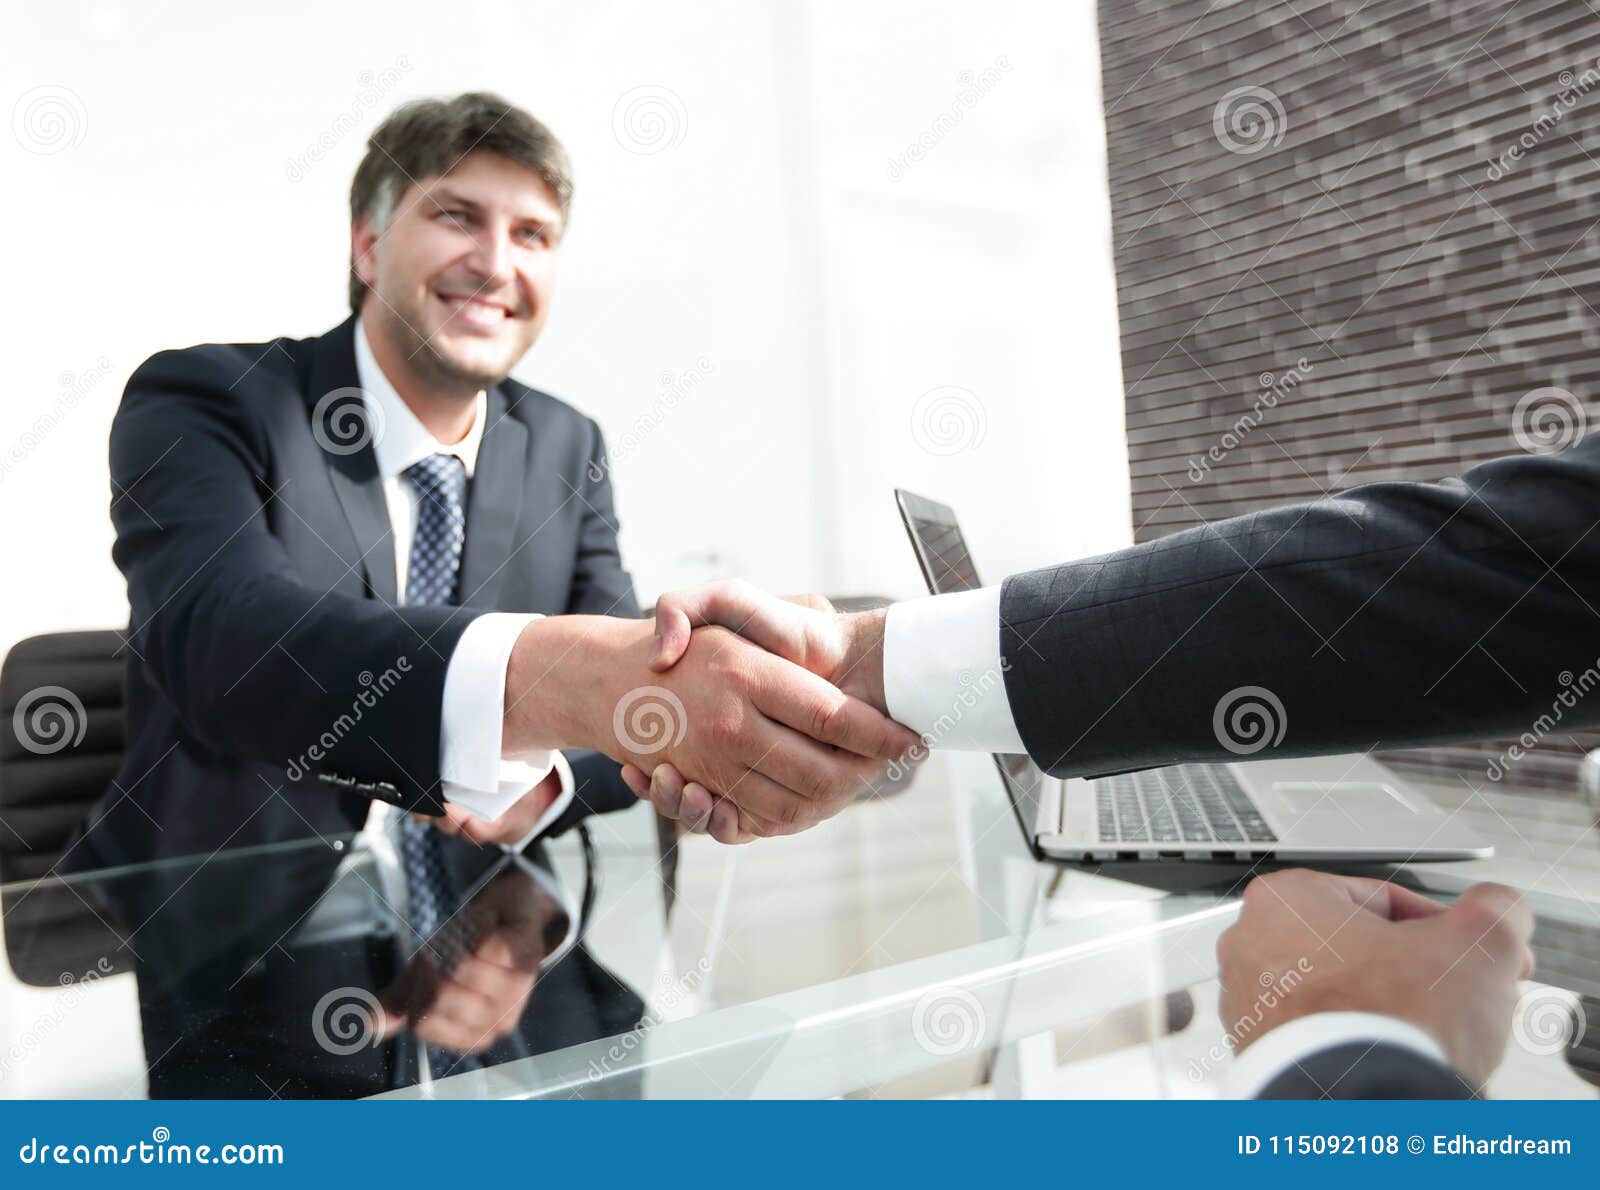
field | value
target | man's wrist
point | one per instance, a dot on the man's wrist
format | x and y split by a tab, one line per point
863	676
556	683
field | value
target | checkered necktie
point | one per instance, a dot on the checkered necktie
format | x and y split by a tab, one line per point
432	578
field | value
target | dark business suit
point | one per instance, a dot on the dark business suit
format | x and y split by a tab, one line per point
1397	614
1391	615
252	529
1362	1070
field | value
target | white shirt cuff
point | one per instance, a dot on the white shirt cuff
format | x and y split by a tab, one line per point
471	768
942	673
1280	1049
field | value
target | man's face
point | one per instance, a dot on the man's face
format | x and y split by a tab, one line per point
462	276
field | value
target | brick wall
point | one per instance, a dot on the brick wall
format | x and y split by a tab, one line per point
1354	242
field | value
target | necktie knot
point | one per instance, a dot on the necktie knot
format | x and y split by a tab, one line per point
442	476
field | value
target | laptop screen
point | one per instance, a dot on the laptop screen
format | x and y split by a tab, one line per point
947	566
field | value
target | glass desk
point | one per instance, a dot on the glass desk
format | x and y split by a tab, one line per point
911	946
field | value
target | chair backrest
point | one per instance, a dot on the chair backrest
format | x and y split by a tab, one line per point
62	735
61	740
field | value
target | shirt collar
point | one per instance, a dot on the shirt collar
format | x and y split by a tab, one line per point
402	440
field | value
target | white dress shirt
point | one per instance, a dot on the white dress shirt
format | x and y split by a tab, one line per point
471	768
944	679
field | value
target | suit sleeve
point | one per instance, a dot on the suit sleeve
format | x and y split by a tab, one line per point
256	664
1392	615
1362	1070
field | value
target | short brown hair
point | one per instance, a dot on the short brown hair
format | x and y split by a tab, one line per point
427	137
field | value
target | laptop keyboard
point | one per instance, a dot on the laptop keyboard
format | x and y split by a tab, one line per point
1187	803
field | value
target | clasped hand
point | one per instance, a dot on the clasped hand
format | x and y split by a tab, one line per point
775	716
843	650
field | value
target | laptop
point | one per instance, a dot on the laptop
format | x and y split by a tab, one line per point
1328	808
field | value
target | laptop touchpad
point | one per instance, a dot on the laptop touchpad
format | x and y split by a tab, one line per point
1360	800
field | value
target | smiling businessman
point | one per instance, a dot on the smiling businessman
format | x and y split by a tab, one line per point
368	567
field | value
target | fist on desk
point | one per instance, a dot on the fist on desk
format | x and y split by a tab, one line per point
1323	943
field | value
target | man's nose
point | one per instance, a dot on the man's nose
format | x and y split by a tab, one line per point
492	259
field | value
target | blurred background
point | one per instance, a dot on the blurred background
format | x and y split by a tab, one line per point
816	251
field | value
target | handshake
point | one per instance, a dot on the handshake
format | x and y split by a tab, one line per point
738	713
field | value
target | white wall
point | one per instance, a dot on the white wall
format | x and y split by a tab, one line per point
967	288
752	310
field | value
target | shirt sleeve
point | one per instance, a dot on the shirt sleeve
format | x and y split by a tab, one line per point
942	672
1280	1049
471	768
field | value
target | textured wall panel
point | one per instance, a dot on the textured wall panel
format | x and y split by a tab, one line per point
1354	242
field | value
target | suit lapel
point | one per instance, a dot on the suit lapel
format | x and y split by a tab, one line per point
494	505
339	427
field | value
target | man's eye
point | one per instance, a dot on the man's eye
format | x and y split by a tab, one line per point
454	216
534	236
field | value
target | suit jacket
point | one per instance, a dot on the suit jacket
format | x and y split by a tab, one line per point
1363	1071
1393	615
273	685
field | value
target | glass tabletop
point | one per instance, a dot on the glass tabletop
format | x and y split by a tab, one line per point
911	946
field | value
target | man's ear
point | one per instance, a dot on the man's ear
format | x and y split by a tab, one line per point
363	239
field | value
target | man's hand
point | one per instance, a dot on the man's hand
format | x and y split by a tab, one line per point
1359	945
511	827
688	803
784	745
467	986
847	650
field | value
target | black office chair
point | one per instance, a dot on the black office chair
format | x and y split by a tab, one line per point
62	735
